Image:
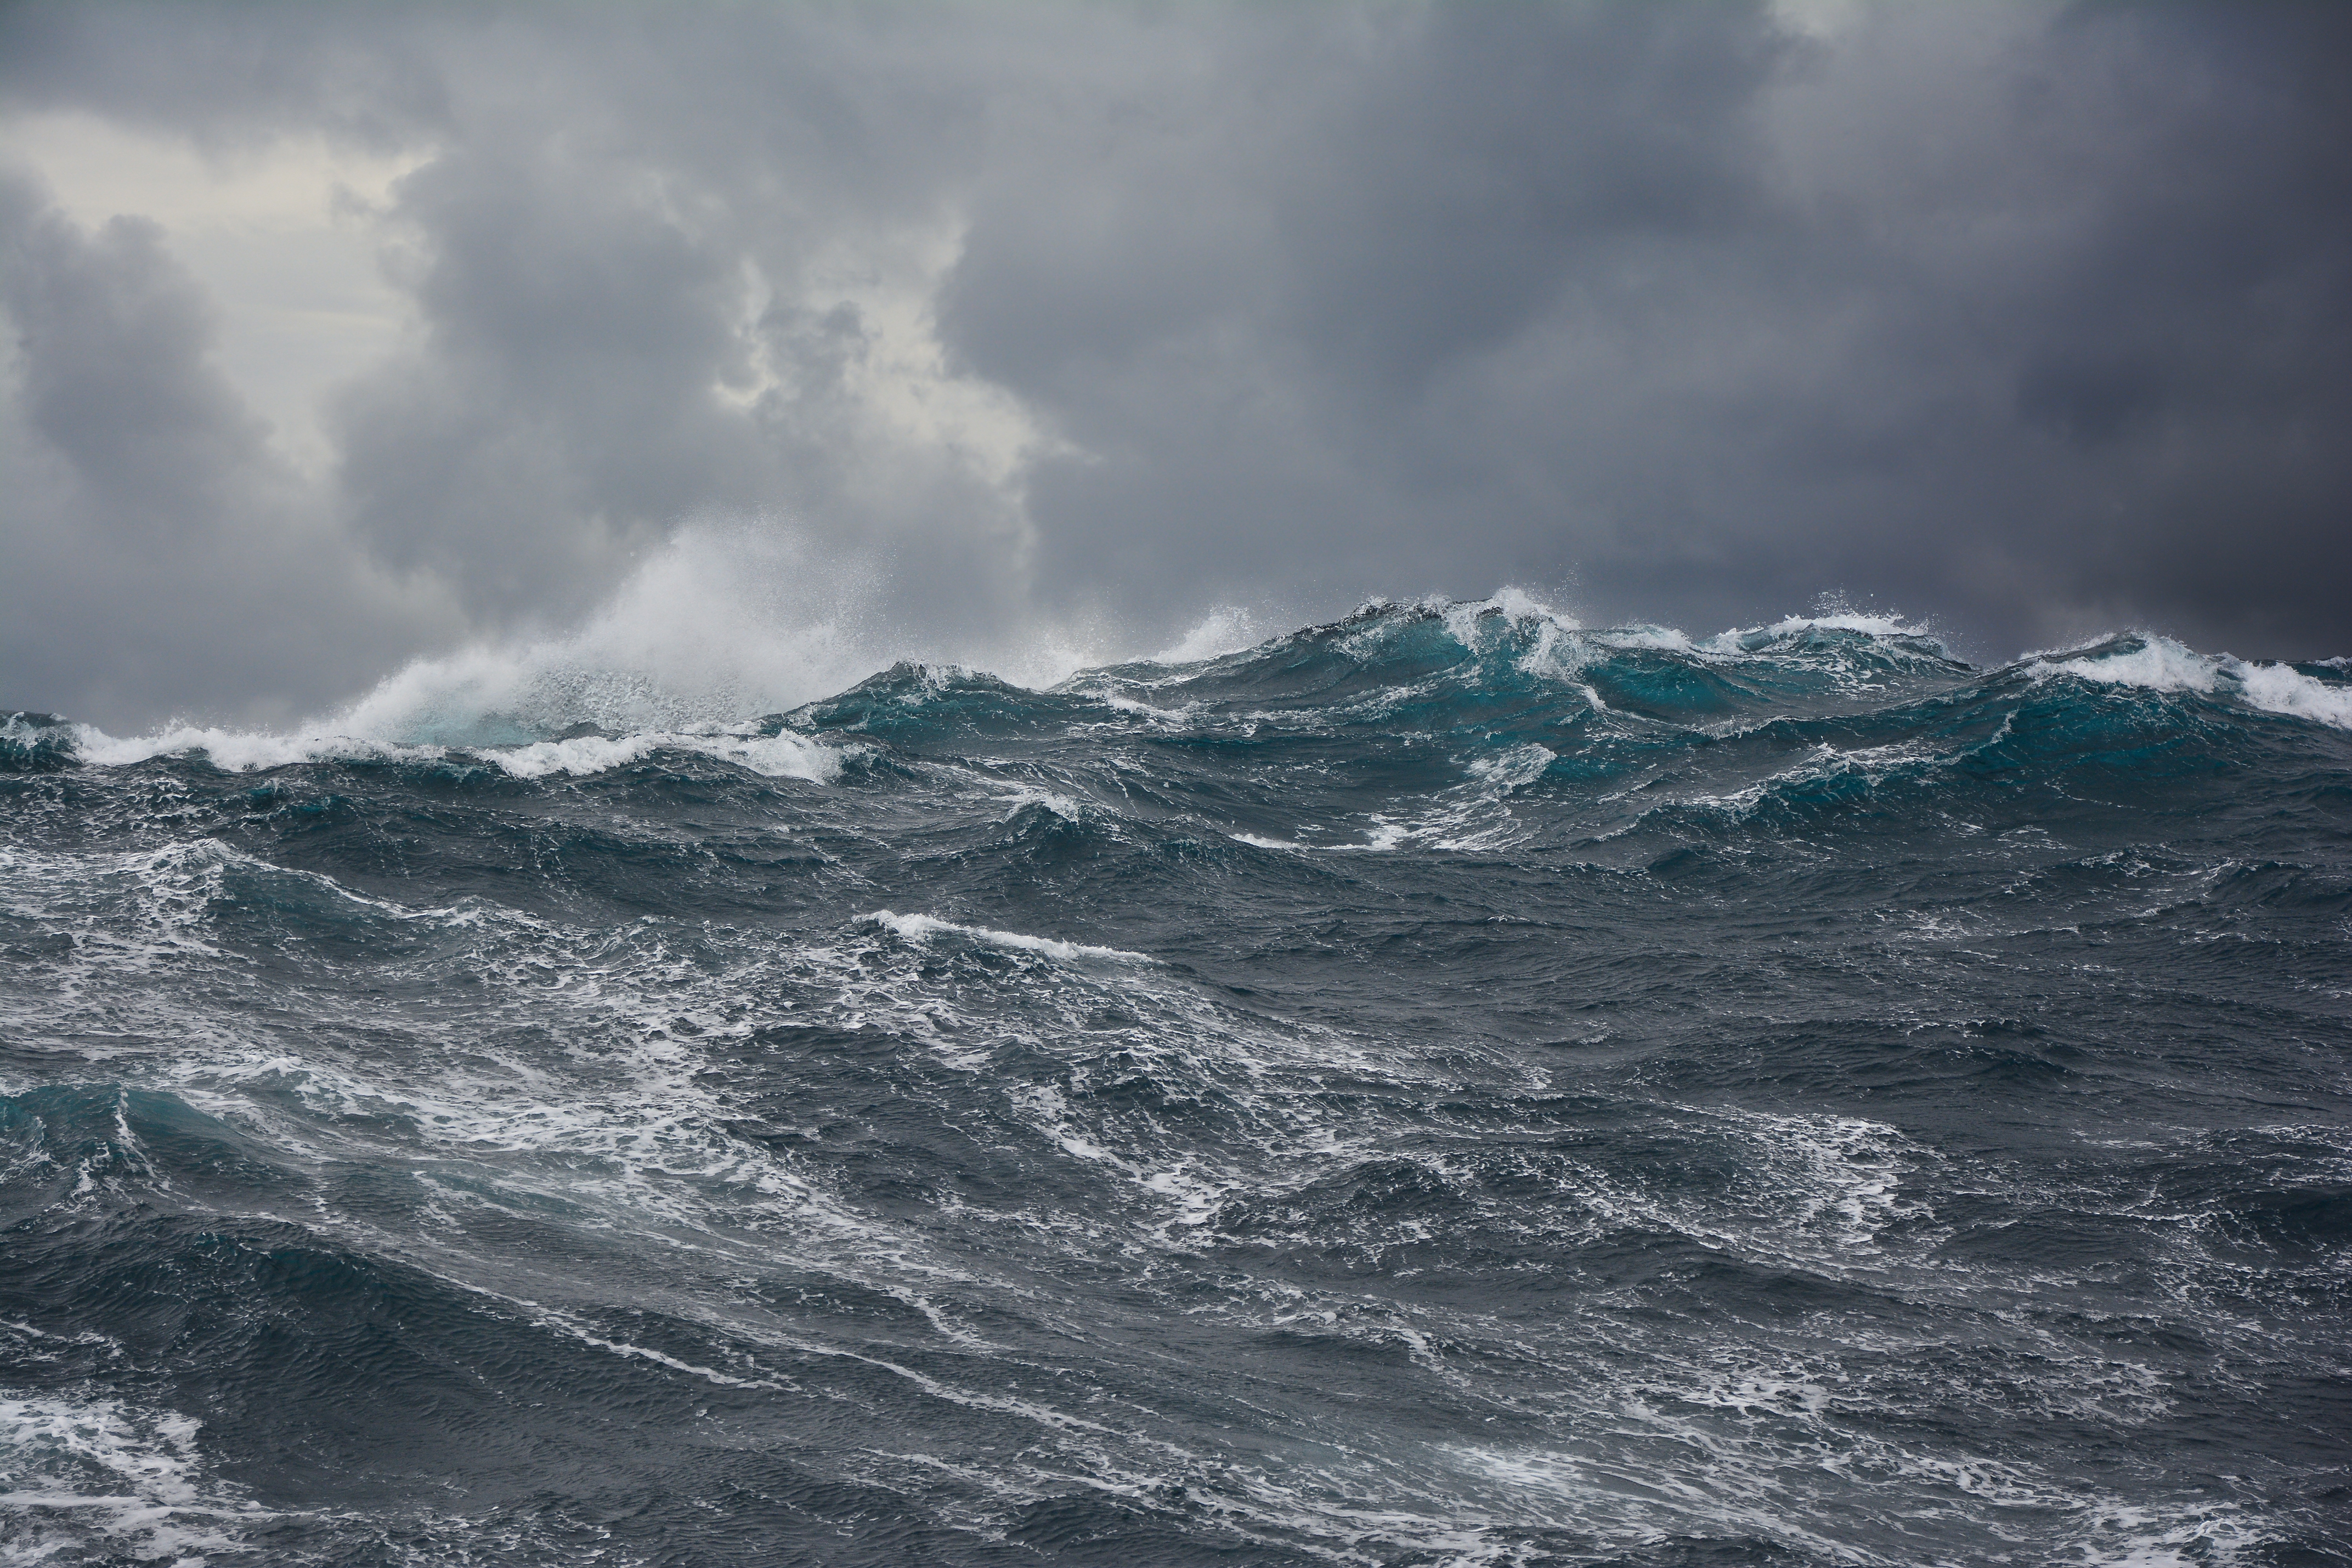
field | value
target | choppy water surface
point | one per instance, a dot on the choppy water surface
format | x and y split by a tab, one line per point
1441	1088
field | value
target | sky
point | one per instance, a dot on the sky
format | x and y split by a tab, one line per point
340	336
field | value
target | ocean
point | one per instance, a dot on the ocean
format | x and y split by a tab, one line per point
1446	1087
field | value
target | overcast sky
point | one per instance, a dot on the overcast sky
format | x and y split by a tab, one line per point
339	335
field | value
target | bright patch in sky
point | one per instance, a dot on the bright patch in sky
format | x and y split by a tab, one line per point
282	235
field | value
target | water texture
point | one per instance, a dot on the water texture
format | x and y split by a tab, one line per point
1446	1087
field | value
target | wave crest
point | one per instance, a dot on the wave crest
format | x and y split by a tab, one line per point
2157	663
673	666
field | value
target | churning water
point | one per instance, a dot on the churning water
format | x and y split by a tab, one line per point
1445	1087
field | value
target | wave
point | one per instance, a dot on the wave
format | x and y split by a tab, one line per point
615	694
925	928
39	741
2318	692
1583	1166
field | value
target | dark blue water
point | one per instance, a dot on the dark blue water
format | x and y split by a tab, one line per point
1442	1088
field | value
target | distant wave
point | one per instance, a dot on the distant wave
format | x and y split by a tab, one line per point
2160	665
548	711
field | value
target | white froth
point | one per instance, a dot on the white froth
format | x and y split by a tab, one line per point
1520	605
1868	625
1666	638
1559	652
2161	664
1768	641
781	756
1469	620
926	928
1020	795
628	1127
2282	688
1509	770
1473	815
231	750
80	1472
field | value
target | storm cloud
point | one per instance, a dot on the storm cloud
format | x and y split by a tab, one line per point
2034	321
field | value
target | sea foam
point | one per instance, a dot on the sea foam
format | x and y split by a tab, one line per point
2160	665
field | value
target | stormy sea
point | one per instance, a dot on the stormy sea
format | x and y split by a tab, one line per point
1448	1087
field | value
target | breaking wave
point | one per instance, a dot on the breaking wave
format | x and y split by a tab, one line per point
596	701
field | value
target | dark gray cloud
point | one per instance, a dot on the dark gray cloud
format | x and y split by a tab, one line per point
2038	330
2032	320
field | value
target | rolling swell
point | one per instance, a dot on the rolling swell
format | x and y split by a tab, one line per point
1447	1086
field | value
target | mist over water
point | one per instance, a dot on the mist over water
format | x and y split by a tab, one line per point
720	623
729	1083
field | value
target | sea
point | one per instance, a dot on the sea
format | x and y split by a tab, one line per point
1449	1086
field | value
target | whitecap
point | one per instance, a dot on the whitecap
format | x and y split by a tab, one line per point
1665	639
779	756
1225	629
927	928
2161	664
1748	641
